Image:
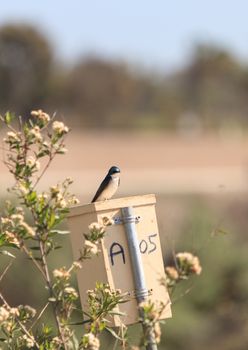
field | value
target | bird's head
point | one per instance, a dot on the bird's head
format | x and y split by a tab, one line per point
114	170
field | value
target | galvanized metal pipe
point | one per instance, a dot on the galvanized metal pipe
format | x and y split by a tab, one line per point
141	290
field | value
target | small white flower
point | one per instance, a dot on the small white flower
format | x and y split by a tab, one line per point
30	161
30	231
4	314
44	117
22	188
95	226
107	291
172	273
76	265
61	273
191	261
17	217
60	128
28	341
91	292
63	150
45	144
35	132
8	326
5	221
73	200
27	311
19	210
91	247
58	273
30	312
62	203
37	165
68	181
12	238
157	332
144	304
107	221
55	190
42	196
60	148
56	341
14	311
93	342
59	196
71	291
33	163
13	136
35	113
185	256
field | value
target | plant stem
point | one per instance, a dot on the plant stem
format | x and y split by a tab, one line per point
5	270
49	285
39	316
29	254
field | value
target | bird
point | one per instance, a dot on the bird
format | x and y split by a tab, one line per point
108	186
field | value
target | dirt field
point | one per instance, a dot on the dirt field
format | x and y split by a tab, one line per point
151	163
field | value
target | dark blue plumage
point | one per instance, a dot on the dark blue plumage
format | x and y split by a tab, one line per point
108	186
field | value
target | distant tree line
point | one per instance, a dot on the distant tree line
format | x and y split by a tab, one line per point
209	91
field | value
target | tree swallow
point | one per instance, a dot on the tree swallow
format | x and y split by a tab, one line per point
108	186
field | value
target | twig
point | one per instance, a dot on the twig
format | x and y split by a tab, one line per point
5	270
187	291
8	125
39	316
121	335
43	171
49	285
52	156
29	254
50	159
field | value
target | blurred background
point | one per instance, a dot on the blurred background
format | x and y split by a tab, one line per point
161	90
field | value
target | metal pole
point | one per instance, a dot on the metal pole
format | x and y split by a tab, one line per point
138	271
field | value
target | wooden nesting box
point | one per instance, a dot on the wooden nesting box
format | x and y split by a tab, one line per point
113	264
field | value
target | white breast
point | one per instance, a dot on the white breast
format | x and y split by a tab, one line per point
111	188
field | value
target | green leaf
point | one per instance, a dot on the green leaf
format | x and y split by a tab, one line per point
8	117
86	314
219	231
52	300
3	243
80	322
117	313
114	334
32	196
35	248
35	258
74	342
5	252
51	220
43	153
60	232
123	301
47	330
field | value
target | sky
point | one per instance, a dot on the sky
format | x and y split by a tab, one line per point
156	33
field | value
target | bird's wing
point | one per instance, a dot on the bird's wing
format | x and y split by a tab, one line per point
101	188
